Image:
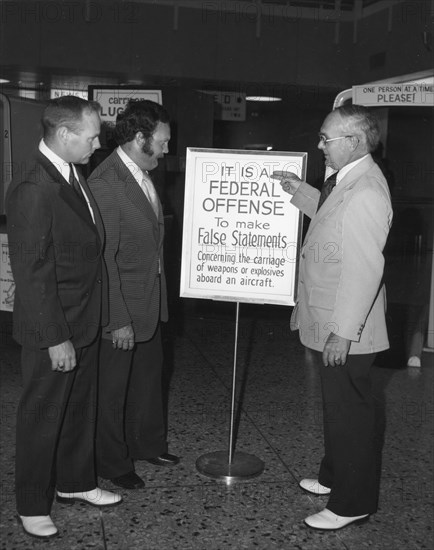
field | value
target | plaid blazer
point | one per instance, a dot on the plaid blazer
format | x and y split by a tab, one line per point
133	250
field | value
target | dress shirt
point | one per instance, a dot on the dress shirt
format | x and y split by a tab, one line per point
140	175
131	165
343	171
64	168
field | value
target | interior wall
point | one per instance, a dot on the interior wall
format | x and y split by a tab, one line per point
410	152
25	132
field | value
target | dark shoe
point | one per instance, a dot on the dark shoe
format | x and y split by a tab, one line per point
165	459
128	481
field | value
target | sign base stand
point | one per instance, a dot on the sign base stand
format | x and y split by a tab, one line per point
216	465
229	465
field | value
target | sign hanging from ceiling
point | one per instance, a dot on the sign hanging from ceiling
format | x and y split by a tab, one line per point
241	232
114	100
230	106
394	94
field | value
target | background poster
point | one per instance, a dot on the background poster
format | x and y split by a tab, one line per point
241	233
7	285
114	100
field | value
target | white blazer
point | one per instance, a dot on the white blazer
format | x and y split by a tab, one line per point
340	286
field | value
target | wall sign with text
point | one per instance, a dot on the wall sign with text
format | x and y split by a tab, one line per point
231	106
114	100
241	233
395	94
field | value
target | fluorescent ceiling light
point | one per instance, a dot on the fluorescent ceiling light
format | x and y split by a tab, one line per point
4	80
262	98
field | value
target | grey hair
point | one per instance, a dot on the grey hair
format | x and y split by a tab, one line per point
365	121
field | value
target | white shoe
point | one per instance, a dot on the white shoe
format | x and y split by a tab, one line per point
413	361
96	497
314	486
40	527
329	521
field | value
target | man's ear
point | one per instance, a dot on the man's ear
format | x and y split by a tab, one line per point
140	138
354	140
62	134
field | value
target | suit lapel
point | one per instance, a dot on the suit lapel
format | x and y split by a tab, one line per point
356	172
66	192
95	210
135	194
336	197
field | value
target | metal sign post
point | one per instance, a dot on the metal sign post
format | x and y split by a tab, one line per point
230	465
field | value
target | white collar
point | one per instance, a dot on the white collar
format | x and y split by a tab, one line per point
344	171
61	165
135	170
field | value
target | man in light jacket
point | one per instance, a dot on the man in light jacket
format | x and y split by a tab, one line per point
341	304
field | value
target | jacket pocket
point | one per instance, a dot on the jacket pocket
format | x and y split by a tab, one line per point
322	298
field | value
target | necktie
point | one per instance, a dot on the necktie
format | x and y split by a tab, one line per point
327	188
149	190
74	183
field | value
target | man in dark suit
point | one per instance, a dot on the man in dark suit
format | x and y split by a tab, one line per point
55	243
340	310
131	358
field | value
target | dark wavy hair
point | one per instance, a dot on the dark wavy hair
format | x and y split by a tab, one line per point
66	111
139	116
365	121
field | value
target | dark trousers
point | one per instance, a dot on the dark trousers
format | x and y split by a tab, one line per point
349	463
130	406
55	430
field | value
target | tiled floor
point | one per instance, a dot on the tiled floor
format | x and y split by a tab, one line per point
279	422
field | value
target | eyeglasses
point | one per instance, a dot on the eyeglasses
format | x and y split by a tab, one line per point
323	140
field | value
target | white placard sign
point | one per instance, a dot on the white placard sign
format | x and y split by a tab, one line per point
241	233
394	94
114	100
